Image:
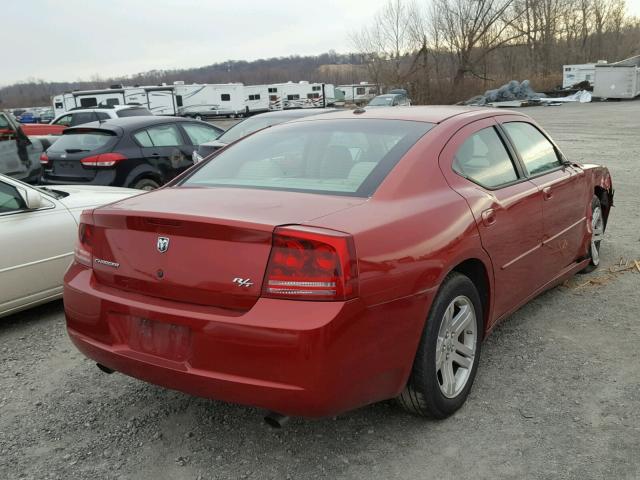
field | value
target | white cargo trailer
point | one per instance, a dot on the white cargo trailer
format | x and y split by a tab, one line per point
572	74
256	99
210	100
358	93
618	80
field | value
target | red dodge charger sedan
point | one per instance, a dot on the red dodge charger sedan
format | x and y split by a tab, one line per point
336	261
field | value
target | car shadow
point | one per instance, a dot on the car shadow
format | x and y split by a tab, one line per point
28	318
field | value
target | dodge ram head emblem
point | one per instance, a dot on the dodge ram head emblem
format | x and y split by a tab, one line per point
163	244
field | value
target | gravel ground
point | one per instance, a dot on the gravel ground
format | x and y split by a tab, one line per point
557	395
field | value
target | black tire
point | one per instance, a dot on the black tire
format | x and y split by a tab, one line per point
145	184
423	395
594	257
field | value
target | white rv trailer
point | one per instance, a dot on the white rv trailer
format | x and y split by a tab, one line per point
210	100
358	93
159	99
256	99
300	95
116	95
618	80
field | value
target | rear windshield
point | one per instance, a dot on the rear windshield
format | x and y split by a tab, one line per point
381	101
343	157
82	140
248	126
133	112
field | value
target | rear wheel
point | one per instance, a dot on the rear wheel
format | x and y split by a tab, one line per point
198	117
447	358
147	184
597	232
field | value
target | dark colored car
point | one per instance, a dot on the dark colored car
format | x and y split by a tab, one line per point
19	154
331	262
253	124
134	152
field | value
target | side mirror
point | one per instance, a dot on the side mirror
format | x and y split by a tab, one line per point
32	199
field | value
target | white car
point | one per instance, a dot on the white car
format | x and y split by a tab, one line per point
38	231
80	116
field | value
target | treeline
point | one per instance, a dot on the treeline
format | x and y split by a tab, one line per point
449	50
330	67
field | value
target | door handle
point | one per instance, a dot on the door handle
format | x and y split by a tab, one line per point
489	217
547	194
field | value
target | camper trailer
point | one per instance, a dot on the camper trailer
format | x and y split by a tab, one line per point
256	99
358	93
300	95
115	95
210	100
618	80
159	99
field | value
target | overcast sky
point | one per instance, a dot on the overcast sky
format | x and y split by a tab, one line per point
76	39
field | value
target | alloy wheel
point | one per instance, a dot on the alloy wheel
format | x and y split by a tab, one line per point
456	346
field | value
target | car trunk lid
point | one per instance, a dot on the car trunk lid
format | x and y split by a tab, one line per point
207	246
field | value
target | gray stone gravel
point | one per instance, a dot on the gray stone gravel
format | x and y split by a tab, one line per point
557	395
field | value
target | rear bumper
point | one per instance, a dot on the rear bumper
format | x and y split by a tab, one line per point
311	359
106	177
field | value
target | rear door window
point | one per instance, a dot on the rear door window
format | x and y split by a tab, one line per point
483	159
160	136
200	133
537	153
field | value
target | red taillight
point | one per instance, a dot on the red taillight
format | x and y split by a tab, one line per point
103	160
83	252
44	158
311	264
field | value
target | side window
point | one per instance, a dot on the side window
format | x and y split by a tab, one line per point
10	200
64	120
143	138
103	116
536	151
113	101
483	159
200	133
225	97
82	118
165	136
273	90
293	97
360	91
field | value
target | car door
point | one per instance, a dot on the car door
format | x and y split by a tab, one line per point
10	162
507	207
566	199
37	247
164	147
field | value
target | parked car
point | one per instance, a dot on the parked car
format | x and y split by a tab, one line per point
80	116
135	152
253	124
395	98
331	262
19	154
38	229
47	116
29	117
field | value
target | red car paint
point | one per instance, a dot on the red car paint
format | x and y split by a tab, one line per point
177	320
31	129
